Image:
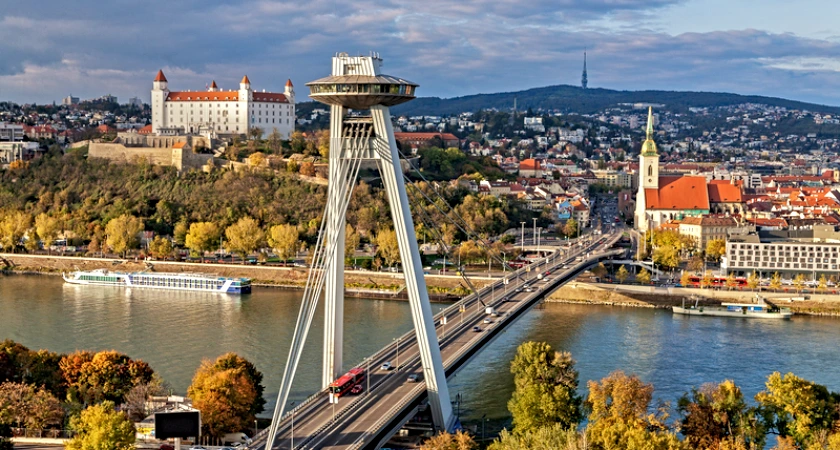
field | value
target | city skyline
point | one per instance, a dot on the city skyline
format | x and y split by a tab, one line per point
88	49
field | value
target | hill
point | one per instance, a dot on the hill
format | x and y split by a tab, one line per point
567	99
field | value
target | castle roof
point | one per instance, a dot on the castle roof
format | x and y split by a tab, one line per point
160	76
213	84
223	96
245	80
289	83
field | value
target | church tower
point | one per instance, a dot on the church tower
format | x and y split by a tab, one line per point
649	159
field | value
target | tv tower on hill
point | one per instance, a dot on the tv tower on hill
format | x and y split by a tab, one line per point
583	80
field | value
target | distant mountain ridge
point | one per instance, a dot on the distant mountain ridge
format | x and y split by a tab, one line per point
587	101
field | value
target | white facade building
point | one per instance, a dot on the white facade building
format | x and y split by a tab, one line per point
218	112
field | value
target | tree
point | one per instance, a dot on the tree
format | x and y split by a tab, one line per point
255	133
228	394
257	159
292	166
351	242
202	237
715	249
716	414
106	375
570	228
324	143
731	282
822	285
799	282
776	281
122	233
161	247
551	437
275	141
47	228
619	415
99	427
600	270
752	281
25	405
284	240
707	279
387	246
180	233
685	279
622	274
666	256
545	388
448	441
695	264
307	169
643	276
244	237
298	142
793	407
13	226
137	398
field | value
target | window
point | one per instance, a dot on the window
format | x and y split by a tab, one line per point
650	171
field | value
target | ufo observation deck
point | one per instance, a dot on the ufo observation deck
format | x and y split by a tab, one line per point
362	91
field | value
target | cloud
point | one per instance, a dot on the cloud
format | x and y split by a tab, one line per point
450	47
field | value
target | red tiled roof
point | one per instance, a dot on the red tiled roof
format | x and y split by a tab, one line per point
678	193
202	96
424	136
529	164
724	193
179	145
213	84
270	97
289	83
145	130
160	76
245	80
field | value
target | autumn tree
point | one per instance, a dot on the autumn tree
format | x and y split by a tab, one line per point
13	226
797	408
244	237
257	159
284	240
202	237
545	389
122	233
776	281
460	440
137	398
161	247
622	274
100	427
799	282
685	279
715	249
696	264
107	375
666	256
570	228
753	281
179	233
351	242
643	276
619	415
716	415
47	228
307	169
551	437
298	142
707	279
600	270
387	246
731	281
324	143
26	405
275	141
228	392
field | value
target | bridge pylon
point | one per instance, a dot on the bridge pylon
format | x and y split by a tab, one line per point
356	82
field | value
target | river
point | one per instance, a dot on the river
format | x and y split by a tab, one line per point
174	331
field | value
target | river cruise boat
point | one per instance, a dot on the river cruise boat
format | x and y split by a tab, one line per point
161	280
758	310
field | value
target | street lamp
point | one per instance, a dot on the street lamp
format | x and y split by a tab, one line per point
522	237
483	419
367	376
535	232
293	425
398	352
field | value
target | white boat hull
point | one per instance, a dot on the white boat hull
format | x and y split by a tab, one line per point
714	312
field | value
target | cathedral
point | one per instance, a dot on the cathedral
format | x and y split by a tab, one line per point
664	198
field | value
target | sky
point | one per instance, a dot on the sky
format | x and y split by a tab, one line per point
50	49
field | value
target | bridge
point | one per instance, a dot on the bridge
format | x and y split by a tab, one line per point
368	420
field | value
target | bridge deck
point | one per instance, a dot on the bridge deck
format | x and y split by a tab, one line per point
367	420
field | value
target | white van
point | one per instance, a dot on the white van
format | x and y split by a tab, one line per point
236	438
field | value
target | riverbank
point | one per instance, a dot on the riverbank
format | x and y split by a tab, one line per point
357	283
660	297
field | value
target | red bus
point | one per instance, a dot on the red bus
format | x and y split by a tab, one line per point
346	382
695	281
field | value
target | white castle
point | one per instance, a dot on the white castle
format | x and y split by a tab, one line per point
218	112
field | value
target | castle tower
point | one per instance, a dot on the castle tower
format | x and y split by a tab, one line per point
356	82
289	91
243	120
213	87
584	81
160	90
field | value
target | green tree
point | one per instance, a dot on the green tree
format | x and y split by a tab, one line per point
717	414
545	388
666	256
776	281
122	233
460	440
797	408
298	142
226	394
284	240
620	418
202	237
47	228
161	247
244	237
622	274
387	246
643	276
715	249
100	427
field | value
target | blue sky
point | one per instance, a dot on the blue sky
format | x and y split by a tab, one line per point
53	48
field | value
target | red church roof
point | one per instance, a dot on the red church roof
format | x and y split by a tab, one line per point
678	193
724	193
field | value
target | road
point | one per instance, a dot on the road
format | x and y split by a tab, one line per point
357	420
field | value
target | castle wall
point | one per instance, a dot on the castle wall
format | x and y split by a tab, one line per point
119	152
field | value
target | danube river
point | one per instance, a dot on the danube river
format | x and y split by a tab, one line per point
174	331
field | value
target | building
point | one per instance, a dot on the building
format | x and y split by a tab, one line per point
614	178
17	151
218	112
705	229
747	254
70	100
135	101
532	168
418	140
11	132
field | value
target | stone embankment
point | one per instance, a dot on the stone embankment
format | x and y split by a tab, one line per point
659	297
358	283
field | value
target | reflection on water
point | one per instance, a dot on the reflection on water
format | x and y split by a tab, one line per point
174	330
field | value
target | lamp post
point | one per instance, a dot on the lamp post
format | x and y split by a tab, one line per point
367	376
534	241
293	425
522	237
483	419
398	352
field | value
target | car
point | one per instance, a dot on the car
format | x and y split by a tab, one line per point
357	389
476	329
166	447
413	378
386	367
488	321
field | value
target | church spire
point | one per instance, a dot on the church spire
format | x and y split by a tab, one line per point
650	124
649	146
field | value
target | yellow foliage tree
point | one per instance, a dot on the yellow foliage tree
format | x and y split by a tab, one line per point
244	237
226	395
122	233
284	240
100	427
13	226
388	248
47	228
202	237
